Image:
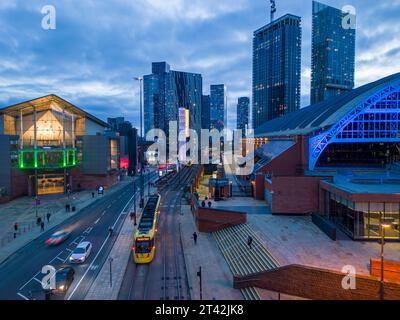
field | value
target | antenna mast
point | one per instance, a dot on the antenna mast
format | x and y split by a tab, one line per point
273	9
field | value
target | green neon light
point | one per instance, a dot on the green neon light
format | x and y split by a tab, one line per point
21	160
36	158
29	159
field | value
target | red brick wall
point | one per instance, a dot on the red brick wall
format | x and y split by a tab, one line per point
90	182
292	162
316	284
296	195
259	187
19	183
391	269
211	220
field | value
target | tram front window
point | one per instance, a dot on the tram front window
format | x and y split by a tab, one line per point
143	246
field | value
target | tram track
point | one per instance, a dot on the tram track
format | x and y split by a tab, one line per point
168	266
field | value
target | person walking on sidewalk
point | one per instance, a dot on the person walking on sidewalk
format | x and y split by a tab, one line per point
38	221
42	226
195	237
15	229
48	216
250	242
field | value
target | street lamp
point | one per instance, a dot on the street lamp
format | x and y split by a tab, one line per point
140	79
384	224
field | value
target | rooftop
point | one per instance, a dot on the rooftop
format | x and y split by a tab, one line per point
323	115
363	181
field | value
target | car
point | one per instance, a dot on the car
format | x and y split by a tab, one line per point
64	279
57	238
81	252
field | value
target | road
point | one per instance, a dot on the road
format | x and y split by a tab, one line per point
165	277
21	273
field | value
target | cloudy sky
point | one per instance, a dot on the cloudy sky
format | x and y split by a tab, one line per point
99	46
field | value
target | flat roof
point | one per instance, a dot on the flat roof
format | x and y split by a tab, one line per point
363	181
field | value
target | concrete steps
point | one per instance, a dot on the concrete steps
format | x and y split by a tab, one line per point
241	259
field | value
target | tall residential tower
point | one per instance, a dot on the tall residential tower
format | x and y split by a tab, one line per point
276	69
333	52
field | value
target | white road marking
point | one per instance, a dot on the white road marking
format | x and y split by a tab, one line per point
69	250
98	253
37	280
22	296
97	221
20	289
88	230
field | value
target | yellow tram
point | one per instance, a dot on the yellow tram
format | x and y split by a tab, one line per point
144	238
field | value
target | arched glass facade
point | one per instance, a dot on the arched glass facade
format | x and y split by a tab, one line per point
367	134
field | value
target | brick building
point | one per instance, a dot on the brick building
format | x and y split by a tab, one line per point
339	158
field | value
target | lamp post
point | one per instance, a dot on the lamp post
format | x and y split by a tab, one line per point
383	225
140	79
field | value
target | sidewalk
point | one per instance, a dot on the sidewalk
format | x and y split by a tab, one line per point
22	210
217	278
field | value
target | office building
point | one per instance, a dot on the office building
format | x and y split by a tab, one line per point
218	106
242	111
165	91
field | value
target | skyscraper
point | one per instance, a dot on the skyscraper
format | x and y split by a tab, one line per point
205	112
165	91
276	69
243	114
218	106
333	53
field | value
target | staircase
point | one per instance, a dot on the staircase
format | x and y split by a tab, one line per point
241	259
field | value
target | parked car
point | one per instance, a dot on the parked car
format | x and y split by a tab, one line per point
81	252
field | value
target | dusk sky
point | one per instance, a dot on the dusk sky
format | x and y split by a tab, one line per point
99	46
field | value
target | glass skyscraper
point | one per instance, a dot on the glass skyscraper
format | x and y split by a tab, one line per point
165	91
218	106
333	53
276	69
205	112
243	113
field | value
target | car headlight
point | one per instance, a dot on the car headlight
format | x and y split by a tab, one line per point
62	288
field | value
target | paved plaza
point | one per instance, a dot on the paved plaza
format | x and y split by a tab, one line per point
296	240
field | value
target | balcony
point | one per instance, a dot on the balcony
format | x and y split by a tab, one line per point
46	158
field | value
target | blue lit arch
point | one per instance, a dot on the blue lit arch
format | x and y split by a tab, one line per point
376	119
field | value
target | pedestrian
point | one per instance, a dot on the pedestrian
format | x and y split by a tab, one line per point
38	221
250	241
209	204
48	216
42	226
195	237
203	204
16	227
92	194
